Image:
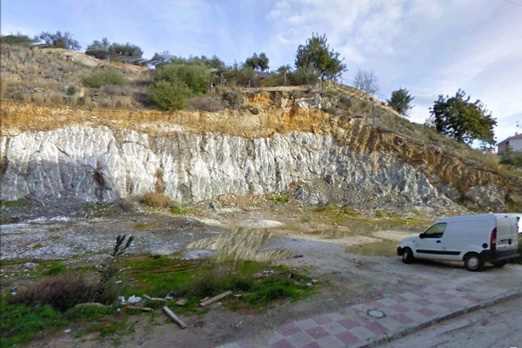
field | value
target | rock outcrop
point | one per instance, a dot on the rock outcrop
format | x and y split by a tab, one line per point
319	148
96	164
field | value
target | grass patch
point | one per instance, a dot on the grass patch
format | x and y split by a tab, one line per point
194	280
97	210
110	326
143	226
19	203
88	312
381	248
178	209
20	323
54	268
358	223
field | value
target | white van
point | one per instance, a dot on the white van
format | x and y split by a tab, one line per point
518	216
474	239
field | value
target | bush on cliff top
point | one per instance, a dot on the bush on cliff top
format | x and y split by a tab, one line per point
175	83
104	78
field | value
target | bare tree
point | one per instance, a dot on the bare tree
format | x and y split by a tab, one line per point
366	81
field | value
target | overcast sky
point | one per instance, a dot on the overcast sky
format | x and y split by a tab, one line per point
431	47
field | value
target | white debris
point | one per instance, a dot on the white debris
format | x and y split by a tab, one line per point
134	299
30	265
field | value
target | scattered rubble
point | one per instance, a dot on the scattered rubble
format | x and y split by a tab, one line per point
169	313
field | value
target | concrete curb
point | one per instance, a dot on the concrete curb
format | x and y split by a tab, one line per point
503	298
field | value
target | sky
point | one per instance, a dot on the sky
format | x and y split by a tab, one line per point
430	47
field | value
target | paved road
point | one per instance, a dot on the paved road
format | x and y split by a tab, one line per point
364	323
497	326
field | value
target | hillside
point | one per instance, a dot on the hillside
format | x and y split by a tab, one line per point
330	145
54	76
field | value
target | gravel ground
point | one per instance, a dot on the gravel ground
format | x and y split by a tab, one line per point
62	237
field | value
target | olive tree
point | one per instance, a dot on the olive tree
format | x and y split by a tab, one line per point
317	56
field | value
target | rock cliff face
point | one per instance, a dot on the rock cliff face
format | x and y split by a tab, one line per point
321	148
99	164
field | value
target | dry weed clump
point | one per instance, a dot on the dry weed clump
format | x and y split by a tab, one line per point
156	200
206	103
61	292
241	245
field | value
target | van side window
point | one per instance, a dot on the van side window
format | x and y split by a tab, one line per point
435	231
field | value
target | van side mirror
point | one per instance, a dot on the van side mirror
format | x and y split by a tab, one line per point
422	235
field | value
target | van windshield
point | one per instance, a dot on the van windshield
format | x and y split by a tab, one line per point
435	231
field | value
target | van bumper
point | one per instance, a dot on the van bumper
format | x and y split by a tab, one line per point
399	251
495	256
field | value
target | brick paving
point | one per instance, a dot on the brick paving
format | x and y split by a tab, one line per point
352	326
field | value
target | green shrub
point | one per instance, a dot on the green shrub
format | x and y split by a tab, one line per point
17	39
169	96
244	76
59	40
103	78
303	77
512	159
195	76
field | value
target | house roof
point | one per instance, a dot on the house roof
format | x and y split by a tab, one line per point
516	136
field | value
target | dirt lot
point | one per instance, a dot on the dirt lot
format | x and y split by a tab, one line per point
348	255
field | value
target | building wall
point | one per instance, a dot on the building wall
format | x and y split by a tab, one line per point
514	144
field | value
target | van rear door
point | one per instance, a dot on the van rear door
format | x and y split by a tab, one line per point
507	232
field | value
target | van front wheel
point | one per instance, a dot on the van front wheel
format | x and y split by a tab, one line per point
407	255
473	262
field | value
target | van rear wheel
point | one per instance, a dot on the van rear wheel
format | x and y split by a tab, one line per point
407	255
473	262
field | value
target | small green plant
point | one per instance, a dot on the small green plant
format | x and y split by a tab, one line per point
280	198
71	90
104	78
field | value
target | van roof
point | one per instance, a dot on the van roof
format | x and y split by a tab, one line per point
473	217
